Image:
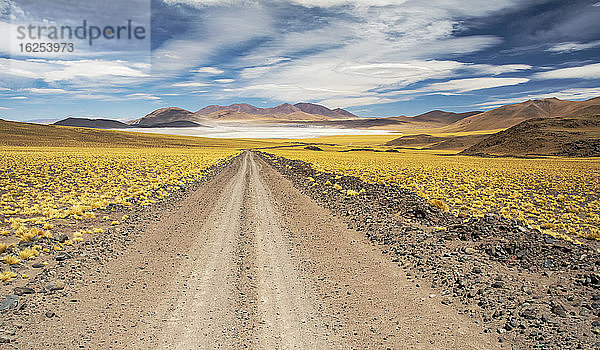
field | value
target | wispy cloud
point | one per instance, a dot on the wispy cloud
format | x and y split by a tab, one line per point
589	71
207	70
142	96
566	94
46	91
573	46
464	85
189	84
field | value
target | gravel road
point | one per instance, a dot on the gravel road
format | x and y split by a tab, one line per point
244	261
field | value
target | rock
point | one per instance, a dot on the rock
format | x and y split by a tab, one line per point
61	237
446	301
62	257
559	310
23	290
37	265
10	302
470	251
528	314
476	270
50	314
55	285
4	340
498	284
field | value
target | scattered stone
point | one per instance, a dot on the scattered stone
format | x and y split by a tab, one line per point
61	237
23	290
62	257
498	284
5	340
38	265
476	270
559	310
10	302
55	285
50	314
470	251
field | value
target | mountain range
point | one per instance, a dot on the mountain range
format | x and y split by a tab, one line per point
309	114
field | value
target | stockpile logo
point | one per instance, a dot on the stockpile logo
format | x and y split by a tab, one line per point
85	29
91	34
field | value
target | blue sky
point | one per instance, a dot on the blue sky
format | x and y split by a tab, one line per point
375	58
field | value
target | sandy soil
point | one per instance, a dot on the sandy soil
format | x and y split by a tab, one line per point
244	261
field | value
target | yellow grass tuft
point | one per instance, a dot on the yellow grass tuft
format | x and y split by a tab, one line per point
28	254
11	260
439	204
6	276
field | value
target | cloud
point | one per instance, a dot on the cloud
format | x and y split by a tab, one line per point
573	46
208	70
142	96
5	108
565	94
224	81
85	73
18	98
46	91
471	84
500	69
344	102
590	71
189	84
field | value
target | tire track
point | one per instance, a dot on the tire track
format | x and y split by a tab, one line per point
208	316
287	318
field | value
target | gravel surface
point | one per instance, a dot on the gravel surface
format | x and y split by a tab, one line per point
528	290
239	260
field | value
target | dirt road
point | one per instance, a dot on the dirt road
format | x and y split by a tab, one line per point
247	261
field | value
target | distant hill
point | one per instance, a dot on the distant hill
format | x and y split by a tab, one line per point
164	115
561	136
432	119
312	108
92	123
426	141
510	115
174	124
243	112
38	135
282	109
